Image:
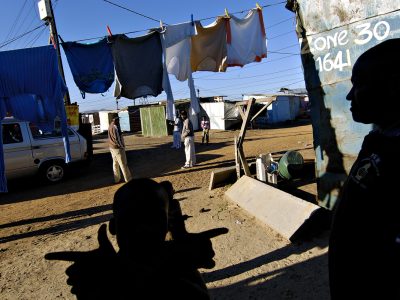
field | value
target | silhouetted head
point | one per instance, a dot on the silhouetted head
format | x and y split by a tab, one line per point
184	114
376	76
140	214
116	120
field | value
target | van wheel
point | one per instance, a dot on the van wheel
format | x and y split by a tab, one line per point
53	171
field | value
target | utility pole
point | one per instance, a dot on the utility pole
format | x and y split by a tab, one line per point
46	14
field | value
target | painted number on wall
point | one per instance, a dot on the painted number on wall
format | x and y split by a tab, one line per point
364	34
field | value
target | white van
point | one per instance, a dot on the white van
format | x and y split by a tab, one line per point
29	151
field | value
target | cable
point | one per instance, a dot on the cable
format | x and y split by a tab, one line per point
15	22
258	91
20	36
132	11
37	36
247	77
239	12
145	30
279	35
235	86
291	18
288	47
285	53
100	37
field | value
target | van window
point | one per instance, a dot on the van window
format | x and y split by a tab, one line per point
39	134
12	134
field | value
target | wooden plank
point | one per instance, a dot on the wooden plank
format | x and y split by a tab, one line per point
258	100
245	122
261	110
244	162
237	161
241	112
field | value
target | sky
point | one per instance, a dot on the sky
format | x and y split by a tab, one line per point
86	20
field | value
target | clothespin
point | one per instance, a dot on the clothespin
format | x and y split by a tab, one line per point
226	13
109	31
161	24
52	41
191	18
258	6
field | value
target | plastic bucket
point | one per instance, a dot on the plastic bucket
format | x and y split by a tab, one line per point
290	164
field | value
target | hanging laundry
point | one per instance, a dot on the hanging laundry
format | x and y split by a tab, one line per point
32	71
177	48
138	65
91	65
209	51
246	40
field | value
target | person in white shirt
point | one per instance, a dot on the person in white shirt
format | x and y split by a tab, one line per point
188	138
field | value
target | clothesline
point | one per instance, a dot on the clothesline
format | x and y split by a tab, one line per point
185	48
203	19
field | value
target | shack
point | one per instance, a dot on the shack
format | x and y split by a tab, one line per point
285	107
223	115
99	120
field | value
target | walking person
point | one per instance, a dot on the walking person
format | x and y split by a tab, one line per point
205	125
364	246
117	150
177	132
188	139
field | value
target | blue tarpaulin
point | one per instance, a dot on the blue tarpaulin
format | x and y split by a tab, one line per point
28	72
91	65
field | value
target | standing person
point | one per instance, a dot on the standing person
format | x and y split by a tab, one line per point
117	149
188	139
177	132
205	125
364	245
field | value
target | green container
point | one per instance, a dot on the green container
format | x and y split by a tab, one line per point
290	164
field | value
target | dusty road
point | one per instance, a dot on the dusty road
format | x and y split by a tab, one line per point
252	260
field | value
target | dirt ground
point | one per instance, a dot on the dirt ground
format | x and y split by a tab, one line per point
252	260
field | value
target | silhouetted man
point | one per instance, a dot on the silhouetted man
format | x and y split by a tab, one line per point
364	247
146	265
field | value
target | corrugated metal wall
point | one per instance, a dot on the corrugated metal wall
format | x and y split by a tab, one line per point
124	120
153	121
333	34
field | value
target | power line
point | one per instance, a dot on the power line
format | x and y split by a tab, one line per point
291	18
247	77
15	22
284	53
236	86
20	36
288	47
279	35
37	36
242	11
153	19
132	11
100	37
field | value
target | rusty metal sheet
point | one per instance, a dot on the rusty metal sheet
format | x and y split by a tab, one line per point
333	34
